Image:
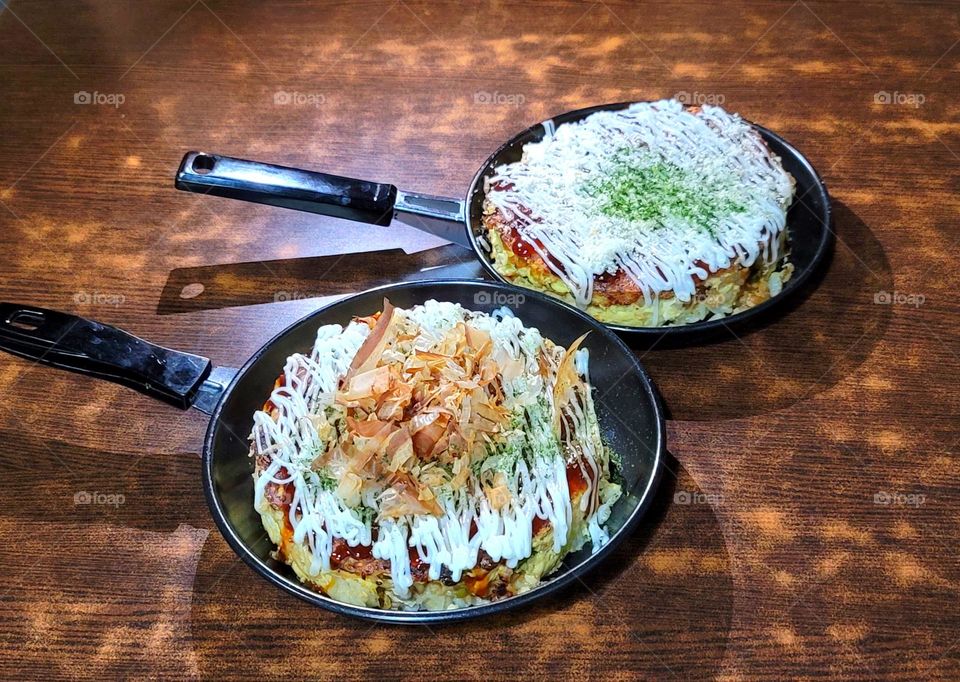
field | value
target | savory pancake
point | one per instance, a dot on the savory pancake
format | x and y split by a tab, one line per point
431	458
652	215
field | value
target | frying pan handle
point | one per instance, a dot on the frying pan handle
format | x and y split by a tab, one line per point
440	216
88	347
301	190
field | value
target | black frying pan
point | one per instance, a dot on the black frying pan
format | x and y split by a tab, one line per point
629	411
459	221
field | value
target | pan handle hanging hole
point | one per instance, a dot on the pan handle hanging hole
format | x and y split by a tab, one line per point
203	164
28	320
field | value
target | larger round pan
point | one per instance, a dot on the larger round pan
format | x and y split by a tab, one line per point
460	221
628	409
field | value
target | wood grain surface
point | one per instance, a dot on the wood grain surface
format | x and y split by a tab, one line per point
809	524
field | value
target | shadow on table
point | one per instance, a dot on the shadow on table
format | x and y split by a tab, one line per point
662	602
822	335
65	483
210	287
818	337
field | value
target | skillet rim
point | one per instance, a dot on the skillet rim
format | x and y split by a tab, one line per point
546	588
705	327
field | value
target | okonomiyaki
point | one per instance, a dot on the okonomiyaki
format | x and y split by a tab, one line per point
656	214
431	458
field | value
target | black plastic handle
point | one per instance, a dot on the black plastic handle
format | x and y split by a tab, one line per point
301	190
81	345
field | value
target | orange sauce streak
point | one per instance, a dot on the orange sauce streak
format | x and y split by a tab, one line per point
520	246
576	481
477	585
268	406
286	533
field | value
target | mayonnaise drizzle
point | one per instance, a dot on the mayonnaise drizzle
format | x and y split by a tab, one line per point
542	197
318	515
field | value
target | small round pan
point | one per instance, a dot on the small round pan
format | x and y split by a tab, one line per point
459	221
629	411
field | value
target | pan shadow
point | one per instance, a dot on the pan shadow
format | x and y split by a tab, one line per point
818	336
211	287
661	602
802	348
70	484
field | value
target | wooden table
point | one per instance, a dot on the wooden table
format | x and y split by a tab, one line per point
809	523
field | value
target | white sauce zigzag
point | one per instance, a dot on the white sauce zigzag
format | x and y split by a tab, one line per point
318	515
542	197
